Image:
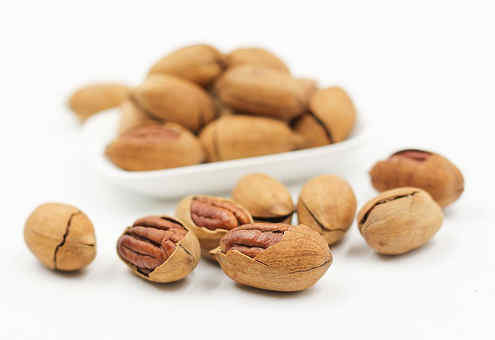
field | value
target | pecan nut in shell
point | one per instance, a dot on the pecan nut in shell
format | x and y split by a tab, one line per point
274	256
210	218
159	248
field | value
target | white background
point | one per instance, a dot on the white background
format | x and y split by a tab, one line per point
422	71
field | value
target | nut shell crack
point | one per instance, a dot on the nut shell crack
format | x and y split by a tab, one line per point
393	198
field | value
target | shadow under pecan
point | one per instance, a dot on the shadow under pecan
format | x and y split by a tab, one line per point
150	242
212	213
252	239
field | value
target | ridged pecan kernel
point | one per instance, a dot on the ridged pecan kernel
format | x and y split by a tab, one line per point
252	239
150	242
212	213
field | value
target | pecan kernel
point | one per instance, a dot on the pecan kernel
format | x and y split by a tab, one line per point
212	213
150	242
252	239
415	155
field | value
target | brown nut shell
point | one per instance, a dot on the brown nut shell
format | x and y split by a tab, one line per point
154	147
327	204
159	249
175	100
399	220
334	110
132	116
255	56
420	169
264	91
93	98
61	236
313	131
210	218
200	64
241	136
266	199
278	257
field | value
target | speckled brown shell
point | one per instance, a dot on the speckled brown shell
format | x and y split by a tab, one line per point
175	100
154	147
132	116
179	264
208	239
93	98
399	220
255	56
200	64
264	91
327	204
265	198
295	263
335	111
61	236
241	136
436	174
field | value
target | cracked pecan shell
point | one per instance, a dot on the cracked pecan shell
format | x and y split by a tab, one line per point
400	220
175	100
242	136
264	91
265	198
333	111
420	169
312	130
327	204
61	236
200	64
159	248
154	147
210	218
274	256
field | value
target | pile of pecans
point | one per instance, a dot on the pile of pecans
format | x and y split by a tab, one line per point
200	105
251	235
197	105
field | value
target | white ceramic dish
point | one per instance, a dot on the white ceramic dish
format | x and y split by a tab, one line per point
100	129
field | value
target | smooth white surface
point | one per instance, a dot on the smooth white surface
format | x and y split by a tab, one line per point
422	71
101	129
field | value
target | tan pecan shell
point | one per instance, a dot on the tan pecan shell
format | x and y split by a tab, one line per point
419	169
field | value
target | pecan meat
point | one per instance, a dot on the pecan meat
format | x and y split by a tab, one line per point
415	155
150	242
252	239
212	213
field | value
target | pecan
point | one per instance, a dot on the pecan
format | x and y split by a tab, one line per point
150	242
415	155
212	213
252	239
152	133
